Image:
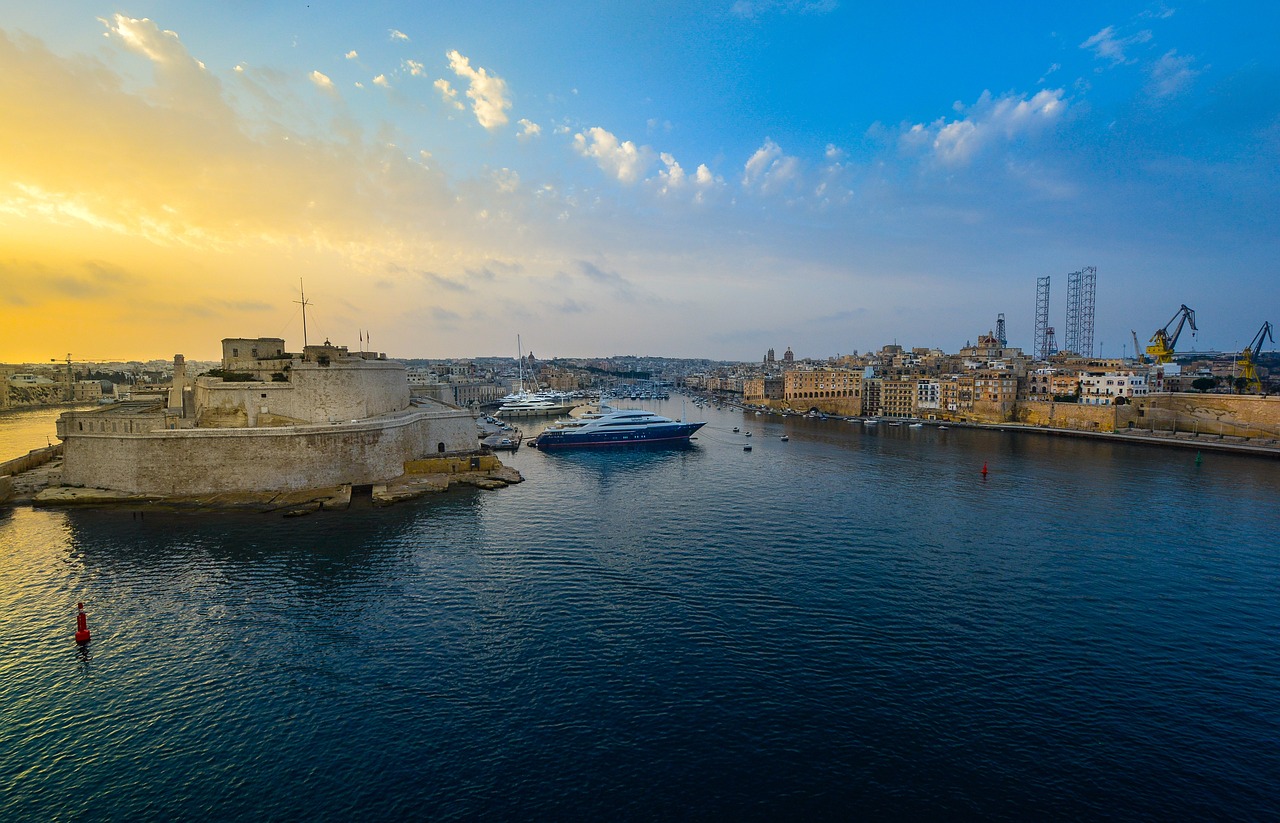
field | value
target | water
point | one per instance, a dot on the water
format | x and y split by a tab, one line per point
850	624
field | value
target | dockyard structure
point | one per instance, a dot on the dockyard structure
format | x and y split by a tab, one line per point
266	421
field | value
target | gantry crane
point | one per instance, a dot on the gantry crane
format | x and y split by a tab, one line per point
1162	342
1247	364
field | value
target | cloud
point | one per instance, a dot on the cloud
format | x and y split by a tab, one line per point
448	93
621	159
351	55
415	68
1172	74
987	120
528	129
612	279
768	170
1107	46
396	34
381	80
322	82
506	181
751	9
443	282
488	92
672	177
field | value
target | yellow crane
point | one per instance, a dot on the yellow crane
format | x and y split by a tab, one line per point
1162	342
1247	364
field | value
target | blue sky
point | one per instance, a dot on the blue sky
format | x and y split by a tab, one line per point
696	179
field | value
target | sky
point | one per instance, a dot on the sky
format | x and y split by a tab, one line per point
684	179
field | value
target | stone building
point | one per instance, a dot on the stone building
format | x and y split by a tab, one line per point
335	418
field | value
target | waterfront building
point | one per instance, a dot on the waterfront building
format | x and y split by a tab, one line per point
834	391
273	421
898	396
1103	388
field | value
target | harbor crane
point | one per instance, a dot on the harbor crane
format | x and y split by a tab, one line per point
1247	364
1162	342
1137	350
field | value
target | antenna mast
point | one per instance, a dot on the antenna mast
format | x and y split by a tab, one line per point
303	302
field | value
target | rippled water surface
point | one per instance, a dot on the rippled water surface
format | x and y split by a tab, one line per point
852	624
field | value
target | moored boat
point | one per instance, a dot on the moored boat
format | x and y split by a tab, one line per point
615	427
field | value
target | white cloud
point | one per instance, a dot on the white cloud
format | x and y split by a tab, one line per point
322	81
989	119
448	93
396	34
672	177
528	129
488	92
381	80
1172	74
415	68
768	170
351	55
622	159
1107	46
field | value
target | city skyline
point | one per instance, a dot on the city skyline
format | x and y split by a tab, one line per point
707	180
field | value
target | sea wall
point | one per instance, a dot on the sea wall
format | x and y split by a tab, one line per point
33	458
203	461
1077	416
1240	415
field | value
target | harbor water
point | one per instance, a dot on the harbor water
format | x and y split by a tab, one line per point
851	624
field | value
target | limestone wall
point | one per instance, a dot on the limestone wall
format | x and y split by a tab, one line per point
1068	416
343	391
202	461
1240	415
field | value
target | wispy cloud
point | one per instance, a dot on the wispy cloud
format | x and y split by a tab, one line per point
1172	74
322	81
1107	45
751	9
396	34
528	129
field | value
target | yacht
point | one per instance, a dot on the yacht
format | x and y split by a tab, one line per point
535	404
615	427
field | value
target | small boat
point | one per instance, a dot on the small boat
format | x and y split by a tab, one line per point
916	426
746	434
747	448
735	429
870	421
785	438
942	428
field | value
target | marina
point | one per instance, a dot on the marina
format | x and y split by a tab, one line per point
856	618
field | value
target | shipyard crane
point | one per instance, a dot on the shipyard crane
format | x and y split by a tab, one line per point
1162	342
1248	358
1137	350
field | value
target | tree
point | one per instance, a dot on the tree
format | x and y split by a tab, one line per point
1203	384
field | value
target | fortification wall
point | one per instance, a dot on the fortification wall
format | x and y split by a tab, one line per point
1068	416
1240	415
343	391
202	461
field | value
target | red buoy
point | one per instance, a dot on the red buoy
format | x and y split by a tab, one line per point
82	625
984	469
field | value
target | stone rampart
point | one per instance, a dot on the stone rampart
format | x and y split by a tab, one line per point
1240	415
1077	416
202	461
30	460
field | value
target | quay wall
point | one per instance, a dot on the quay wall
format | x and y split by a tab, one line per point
1239	415
202	461
30	460
1076	416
